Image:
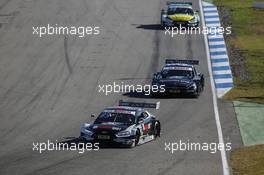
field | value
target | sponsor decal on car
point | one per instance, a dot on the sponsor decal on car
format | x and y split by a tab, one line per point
146	126
178	68
105	127
120	111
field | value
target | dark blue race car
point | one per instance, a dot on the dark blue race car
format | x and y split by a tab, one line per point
179	77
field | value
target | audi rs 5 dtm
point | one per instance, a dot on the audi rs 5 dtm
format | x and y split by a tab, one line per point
127	124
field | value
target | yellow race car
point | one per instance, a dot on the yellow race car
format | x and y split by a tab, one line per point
179	14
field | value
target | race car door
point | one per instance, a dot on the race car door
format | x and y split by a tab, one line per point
146	124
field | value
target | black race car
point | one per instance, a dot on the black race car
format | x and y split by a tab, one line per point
128	124
179	77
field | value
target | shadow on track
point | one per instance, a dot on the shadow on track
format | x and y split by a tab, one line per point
69	141
134	94
150	27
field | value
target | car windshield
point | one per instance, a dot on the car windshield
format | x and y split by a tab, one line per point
177	73
106	117
180	10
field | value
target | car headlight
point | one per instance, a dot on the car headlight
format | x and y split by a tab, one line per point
123	134
193	86
89	132
167	19
86	131
193	20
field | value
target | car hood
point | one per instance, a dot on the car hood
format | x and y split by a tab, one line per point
181	17
109	126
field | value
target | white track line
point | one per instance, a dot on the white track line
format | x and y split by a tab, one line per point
211	14
215	36
224	80
218	49
217	119
216	42
220	64
214	25
212	19
209	9
218	56
219	72
222	90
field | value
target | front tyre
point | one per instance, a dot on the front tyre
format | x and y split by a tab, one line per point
135	142
197	92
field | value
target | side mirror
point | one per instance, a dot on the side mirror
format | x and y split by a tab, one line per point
92	115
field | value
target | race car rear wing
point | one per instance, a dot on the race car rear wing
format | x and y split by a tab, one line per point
179	3
174	61
140	105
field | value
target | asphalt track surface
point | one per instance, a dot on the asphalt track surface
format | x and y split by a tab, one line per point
49	86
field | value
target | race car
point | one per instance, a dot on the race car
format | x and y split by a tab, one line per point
179	77
179	14
127	124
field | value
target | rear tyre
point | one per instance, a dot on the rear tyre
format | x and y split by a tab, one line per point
137	138
157	130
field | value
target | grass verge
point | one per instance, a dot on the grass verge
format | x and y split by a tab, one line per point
246	53
248	160
247	40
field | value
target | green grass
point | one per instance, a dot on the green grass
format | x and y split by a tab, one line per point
248	29
248	160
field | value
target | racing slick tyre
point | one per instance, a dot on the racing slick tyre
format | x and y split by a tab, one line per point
136	140
157	130
197	93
